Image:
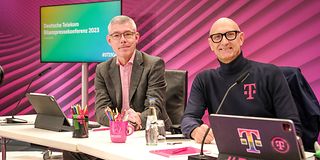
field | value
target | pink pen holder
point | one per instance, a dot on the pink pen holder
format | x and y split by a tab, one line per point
119	130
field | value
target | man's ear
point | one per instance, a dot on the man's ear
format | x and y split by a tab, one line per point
108	39
241	34
137	36
210	44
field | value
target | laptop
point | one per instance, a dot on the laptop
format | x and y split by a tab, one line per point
255	138
49	114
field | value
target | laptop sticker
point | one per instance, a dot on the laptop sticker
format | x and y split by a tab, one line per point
251	138
280	145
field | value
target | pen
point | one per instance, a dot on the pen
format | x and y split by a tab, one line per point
173	143
101	129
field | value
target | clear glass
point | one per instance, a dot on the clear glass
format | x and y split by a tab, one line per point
152	133
151	124
161	130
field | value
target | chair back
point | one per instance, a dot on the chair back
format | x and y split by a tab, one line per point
176	94
307	105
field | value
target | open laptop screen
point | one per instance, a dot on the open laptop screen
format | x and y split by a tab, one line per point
255	137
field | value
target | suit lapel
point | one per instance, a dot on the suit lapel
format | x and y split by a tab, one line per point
137	70
114	73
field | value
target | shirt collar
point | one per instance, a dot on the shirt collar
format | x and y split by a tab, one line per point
130	60
235	66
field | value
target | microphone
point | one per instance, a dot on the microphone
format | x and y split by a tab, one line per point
201	156
1	74
44	72
239	80
18	120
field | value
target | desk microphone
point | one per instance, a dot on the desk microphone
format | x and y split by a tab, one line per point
1	74
239	80
201	156
18	120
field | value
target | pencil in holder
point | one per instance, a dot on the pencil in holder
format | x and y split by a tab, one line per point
80	124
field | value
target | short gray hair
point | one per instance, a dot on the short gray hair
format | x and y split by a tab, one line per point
122	19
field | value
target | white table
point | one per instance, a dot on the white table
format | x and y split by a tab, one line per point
98	144
27	133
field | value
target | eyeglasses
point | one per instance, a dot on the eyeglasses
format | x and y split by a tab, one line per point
230	35
126	35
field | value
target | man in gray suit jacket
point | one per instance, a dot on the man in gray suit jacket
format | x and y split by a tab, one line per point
127	81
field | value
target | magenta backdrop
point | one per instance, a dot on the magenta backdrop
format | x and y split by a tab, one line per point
279	32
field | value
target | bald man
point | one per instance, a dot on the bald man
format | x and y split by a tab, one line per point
265	92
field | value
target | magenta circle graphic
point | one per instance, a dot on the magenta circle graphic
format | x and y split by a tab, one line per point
280	145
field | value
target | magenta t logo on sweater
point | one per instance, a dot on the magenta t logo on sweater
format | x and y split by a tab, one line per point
249	89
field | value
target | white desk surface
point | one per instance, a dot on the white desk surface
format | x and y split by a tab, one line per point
27	133
98	144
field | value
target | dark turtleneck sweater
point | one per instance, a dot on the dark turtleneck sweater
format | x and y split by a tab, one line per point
264	93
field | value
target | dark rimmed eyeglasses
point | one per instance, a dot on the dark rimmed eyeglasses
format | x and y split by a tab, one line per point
126	35
230	36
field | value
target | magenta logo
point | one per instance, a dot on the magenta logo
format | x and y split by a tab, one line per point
249	89
251	138
280	145
236	158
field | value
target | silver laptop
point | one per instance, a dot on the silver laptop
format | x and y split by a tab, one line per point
256	138
49	114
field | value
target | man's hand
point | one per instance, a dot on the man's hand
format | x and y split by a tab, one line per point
134	118
198	134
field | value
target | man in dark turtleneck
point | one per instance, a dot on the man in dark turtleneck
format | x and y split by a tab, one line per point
264	93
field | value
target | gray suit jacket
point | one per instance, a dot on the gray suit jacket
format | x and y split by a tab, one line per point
147	80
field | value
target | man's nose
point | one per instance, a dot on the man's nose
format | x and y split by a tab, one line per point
224	40
123	39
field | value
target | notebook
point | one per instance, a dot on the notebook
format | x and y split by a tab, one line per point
255	138
49	114
176	152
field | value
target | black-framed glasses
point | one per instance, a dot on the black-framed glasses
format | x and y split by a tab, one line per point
230	36
126	35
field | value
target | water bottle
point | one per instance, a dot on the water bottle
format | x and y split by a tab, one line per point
151	125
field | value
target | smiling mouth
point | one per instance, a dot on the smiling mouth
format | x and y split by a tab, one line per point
224	49
124	47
